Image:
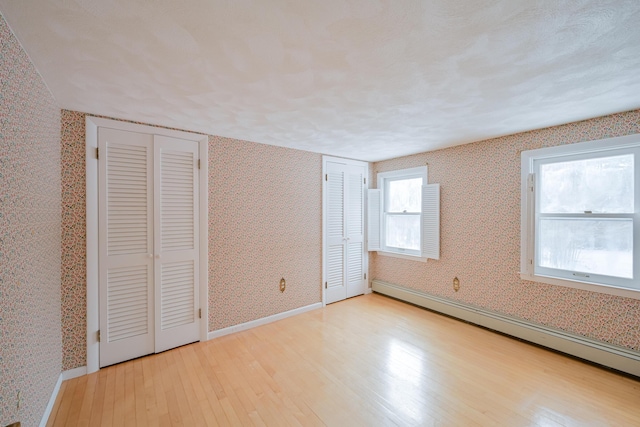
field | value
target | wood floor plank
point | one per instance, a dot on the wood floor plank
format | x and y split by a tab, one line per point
98	398
56	405
67	400
366	361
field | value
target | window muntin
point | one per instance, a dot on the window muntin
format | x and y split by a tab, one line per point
581	215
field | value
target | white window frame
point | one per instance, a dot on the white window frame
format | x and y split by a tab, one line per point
383	179
530	161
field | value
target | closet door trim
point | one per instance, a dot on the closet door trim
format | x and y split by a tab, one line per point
92	125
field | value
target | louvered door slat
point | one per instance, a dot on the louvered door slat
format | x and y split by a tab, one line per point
126	241
177	241
149	218
354	262
177	294
344	262
127	304
177	169
335	266
335	208
127	218
355	205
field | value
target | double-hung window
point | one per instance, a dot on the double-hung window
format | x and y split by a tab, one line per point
581	215
403	215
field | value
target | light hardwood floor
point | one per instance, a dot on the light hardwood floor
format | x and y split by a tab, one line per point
366	361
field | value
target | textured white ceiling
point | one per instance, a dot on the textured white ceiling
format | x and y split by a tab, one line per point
363	79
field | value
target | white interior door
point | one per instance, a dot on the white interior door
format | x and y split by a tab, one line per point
335	239
148	244
344	251
126	245
176	242
354	249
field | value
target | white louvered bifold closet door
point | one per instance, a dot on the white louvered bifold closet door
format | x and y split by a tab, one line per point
125	245
336	289
176	242
344	231
355	251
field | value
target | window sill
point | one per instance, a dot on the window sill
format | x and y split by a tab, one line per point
403	256
576	284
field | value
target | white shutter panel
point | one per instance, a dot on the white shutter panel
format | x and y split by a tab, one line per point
430	222
374	220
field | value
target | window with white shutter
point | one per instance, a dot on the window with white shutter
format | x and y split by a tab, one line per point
404	215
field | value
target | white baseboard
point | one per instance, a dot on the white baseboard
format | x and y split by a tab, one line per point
65	375
74	373
262	321
52	401
620	358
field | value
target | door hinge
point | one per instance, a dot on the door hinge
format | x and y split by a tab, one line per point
198	163
97	153
199	313
365	276
531	261
326	177
532	181
325	285
98	335
365	181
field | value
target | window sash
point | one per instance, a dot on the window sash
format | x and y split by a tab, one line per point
576	274
388	213
399	249
596	279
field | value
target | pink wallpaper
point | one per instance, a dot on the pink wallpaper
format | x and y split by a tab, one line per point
30	344
74	236
480	236
264	223
265	219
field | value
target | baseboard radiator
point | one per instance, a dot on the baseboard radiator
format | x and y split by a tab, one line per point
619	358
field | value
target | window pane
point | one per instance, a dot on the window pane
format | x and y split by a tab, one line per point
405	195
403	231
600	185
590	246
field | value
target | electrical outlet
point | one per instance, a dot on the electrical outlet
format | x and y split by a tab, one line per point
456	284
283	284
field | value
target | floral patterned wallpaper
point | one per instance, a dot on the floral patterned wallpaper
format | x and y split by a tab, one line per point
480	236
265	217
265	220
30	343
